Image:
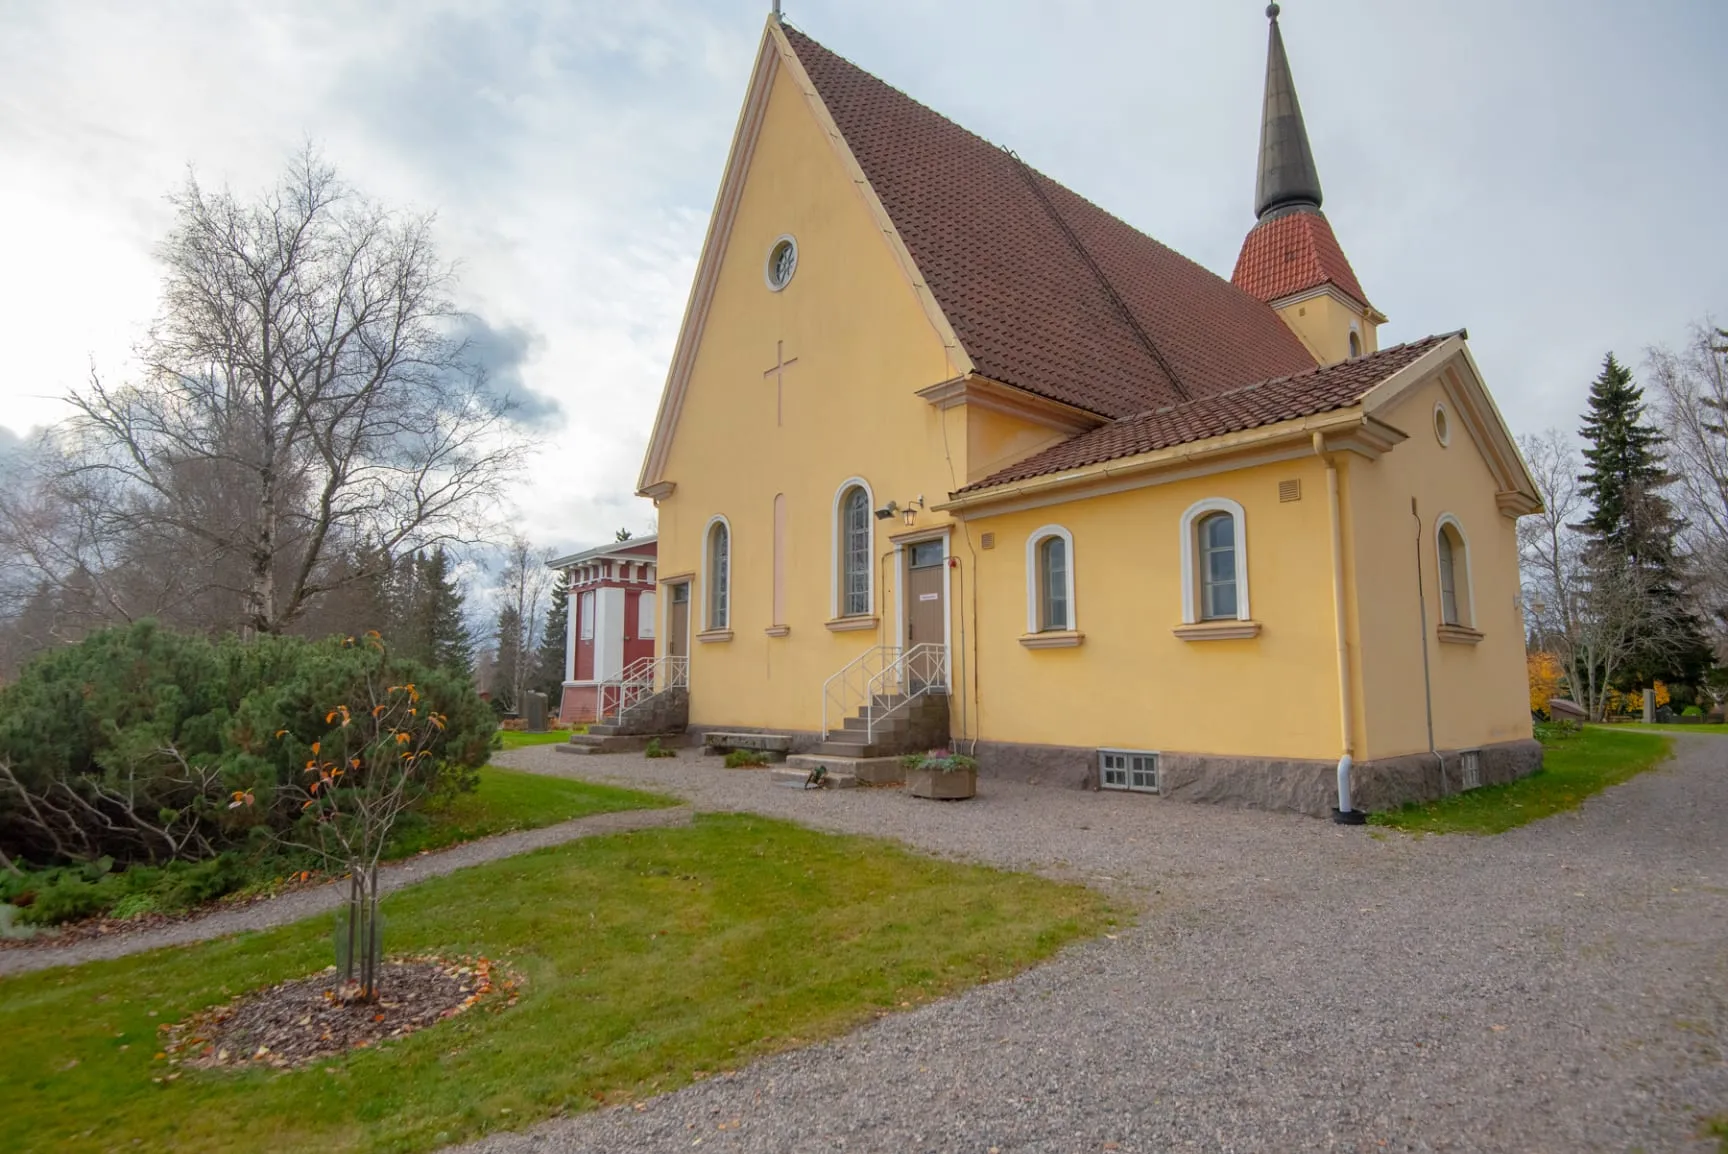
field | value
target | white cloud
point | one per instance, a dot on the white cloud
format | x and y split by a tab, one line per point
1546	173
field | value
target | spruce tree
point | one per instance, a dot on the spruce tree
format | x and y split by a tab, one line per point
507	674
549	671
1633	526
439	615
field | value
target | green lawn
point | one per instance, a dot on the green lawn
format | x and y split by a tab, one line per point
509	799
649	960
1575	765
518	738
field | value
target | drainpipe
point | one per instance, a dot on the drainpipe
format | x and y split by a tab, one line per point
1344	814
1422	624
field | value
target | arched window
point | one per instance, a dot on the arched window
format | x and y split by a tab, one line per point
717	573
854	592
1355	346
1214	562
1217	567
1453	552
1050	581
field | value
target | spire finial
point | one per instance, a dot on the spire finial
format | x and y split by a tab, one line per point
1288	178
776	11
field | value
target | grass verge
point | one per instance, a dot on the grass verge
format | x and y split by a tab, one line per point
508	799
1717	1128
650	960
520	738
1575	765
1658	727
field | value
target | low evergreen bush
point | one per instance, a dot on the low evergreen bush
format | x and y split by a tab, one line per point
130	745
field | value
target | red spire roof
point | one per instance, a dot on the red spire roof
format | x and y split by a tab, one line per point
1292	253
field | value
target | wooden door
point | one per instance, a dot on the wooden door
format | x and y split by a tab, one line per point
926	610
678	621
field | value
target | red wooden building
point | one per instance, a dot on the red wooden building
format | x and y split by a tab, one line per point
612	607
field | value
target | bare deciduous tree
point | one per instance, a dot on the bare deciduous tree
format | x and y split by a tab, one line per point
524	585
302	392
1693	389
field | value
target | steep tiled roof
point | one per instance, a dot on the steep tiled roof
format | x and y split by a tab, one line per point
1286	398
1046	291
1293	253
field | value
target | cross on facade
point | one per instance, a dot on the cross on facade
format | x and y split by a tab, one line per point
778	372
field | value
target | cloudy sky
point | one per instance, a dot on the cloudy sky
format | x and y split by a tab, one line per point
1549	173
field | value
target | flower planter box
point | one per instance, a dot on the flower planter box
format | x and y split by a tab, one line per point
956	785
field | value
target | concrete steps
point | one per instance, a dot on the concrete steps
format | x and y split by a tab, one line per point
591	742
863	770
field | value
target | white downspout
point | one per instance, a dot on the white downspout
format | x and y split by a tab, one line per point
1344	814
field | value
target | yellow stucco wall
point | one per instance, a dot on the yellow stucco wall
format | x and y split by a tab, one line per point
1478	690
995	440
1132	683
863	346
1322	323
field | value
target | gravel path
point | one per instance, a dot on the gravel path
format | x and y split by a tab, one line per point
297	904
1291	986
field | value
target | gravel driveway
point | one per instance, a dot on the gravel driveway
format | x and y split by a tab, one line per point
1291	986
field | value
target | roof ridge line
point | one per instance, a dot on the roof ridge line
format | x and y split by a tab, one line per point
1085	254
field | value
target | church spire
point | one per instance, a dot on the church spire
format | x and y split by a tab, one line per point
1288	178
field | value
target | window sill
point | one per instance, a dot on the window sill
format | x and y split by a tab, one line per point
1458	634
1052	639
1217	630
778	630
709	636
849	624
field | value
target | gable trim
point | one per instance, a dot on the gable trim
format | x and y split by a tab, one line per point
775	53
714	246
1455	369
984	393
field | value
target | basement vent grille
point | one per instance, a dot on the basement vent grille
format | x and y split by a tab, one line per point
1471	762
987	541
1290	490
1125	769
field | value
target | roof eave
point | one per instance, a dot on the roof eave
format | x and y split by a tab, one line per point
1349	429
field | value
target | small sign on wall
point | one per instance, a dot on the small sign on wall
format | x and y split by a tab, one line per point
929	596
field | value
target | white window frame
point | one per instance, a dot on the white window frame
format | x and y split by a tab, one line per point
1192	610
646	606
585	615
1035	578
708	623
1129	772
1460	582
837	551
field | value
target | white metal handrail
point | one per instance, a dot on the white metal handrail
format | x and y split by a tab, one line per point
917	671
640	680
844	693
876	675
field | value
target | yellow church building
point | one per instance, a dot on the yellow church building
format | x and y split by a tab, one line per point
950	456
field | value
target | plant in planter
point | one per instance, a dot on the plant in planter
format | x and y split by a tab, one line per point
941	774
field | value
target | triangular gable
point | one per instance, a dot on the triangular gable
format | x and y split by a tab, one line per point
1458	374
774	55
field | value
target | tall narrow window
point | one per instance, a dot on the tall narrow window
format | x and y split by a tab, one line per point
1448	579
1217	567
719	575
855	553
1052	584
779	604
645	607
585	613
1355	346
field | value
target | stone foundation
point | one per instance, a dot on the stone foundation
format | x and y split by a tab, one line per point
1289	784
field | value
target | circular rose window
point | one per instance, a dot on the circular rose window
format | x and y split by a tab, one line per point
782	262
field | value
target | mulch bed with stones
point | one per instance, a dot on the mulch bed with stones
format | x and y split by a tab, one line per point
304	1020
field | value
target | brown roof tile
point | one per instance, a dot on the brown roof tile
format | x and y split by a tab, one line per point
1304	394
1046	291
1293	253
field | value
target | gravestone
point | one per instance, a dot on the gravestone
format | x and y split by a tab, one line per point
1649	706
1562	710
535	709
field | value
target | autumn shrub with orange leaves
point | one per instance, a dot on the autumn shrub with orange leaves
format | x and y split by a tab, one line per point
134	743
1547	680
